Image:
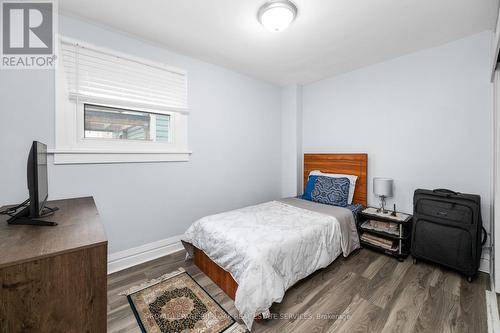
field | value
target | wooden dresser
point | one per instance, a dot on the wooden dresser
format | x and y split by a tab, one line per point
53	279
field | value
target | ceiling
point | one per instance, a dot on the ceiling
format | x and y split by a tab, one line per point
329	37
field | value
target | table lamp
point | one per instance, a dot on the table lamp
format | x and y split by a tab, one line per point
382	187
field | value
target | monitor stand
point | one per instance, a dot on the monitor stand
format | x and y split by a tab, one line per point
23	218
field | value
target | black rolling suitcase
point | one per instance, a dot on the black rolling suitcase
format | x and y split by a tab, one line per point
448	230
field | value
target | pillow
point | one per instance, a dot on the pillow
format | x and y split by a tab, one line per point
352	180
309	188
331	191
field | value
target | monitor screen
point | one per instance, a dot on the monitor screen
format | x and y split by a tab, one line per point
37	178
42	182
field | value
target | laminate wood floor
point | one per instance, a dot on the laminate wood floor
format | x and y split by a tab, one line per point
366	292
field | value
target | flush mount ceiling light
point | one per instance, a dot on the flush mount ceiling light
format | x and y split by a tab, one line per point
276	15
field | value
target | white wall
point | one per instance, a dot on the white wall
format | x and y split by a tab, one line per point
291	140
424	120
495	224
234	133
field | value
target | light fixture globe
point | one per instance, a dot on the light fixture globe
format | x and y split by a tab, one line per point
276	15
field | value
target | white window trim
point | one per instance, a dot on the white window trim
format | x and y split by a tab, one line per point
72	148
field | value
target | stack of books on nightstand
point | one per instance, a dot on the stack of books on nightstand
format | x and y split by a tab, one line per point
388	227
384	243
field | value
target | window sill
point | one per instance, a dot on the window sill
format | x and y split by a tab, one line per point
69	156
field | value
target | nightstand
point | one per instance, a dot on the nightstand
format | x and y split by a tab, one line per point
385	233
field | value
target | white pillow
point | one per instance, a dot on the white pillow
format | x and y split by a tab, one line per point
352	181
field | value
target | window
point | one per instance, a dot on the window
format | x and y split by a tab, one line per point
103	122
112	107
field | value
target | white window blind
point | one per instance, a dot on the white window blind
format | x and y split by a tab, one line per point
96	75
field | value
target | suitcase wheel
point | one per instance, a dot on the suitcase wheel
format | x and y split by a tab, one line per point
469	279
415	261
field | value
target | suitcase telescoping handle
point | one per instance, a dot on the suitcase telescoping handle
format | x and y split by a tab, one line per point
445	191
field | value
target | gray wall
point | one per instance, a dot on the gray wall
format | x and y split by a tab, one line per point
234	133
291	141
424	119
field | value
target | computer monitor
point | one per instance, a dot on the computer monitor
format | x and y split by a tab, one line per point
37	178
38	190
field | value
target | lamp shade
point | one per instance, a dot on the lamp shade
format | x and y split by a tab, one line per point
382	187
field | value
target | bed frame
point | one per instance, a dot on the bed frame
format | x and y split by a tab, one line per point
351	164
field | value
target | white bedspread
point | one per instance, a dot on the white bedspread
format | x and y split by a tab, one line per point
269	247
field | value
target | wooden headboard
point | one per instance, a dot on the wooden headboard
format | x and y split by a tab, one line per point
350	164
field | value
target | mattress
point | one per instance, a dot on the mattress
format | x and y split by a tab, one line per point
269	247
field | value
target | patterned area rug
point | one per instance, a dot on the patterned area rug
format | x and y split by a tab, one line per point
177	303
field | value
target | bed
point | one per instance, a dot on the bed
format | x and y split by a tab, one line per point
267	248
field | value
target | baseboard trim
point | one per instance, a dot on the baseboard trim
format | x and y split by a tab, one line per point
137	255
484	263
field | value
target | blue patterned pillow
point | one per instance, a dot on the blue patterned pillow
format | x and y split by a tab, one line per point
331	191
309	188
